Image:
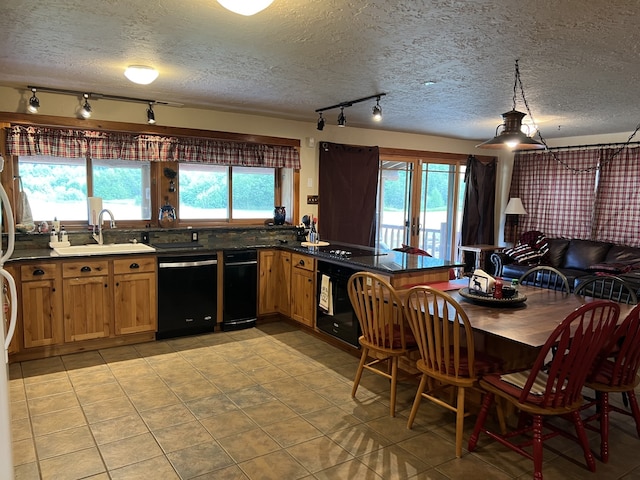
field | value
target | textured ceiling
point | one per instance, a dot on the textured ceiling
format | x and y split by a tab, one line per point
579	60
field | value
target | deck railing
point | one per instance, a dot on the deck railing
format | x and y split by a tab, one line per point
430	239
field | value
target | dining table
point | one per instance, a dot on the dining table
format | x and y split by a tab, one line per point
516	330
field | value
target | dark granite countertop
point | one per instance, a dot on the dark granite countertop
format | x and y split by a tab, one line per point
387	261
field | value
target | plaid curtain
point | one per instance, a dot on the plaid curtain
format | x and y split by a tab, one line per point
27	141
617	206
557	190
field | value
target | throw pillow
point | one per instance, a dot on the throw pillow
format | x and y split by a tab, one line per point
611	267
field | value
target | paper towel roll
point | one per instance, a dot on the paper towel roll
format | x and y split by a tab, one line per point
94	208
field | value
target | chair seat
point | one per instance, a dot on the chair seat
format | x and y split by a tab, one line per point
483	364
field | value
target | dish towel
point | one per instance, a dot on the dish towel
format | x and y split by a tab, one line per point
326	295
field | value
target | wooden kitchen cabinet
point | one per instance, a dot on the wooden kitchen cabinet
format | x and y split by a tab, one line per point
41	289
87	299
267	281
274	286
135	295
303	289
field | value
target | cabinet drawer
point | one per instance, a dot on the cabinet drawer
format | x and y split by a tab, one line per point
134	265
37	271
303	261
85	268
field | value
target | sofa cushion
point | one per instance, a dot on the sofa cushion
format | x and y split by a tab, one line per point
611	268
622	254
581	254
557	249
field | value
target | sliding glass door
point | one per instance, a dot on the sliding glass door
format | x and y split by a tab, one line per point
420	204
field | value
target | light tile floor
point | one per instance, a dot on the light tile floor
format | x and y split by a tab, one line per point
271	402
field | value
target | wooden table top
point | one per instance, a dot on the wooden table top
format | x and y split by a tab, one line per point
529	323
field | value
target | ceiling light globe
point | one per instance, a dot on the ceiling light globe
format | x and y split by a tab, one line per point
141	74
245	7
34	105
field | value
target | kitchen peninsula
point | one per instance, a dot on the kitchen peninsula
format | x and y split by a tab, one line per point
78	303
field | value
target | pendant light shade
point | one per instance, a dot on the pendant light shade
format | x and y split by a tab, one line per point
512	135
245	7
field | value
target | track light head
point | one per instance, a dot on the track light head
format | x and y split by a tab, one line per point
151	116
342	120
34	102
85	111
377	111
320	122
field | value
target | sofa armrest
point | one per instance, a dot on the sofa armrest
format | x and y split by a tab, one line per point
498	259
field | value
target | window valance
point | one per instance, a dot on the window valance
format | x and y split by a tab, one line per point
71	143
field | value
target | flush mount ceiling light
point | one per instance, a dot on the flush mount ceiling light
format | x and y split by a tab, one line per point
342	120
34	102
511	135
85	111
377	110
245	7
141	74
151	116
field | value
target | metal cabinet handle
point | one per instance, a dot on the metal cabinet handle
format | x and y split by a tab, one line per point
38	271
85	269
134	265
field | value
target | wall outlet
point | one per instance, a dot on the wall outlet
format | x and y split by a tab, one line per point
145	238
194	236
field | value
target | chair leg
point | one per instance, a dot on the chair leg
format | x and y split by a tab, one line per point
459	421
584	441
633	402
356	381
394	382
537	447
604	426
416	401
482	417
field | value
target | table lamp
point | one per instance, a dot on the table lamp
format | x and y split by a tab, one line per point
515	208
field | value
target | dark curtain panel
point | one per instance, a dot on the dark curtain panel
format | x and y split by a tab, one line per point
348	184
479	202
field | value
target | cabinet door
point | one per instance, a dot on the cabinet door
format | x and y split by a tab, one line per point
267	284
87	307
283	285
41	313
303	304
135	303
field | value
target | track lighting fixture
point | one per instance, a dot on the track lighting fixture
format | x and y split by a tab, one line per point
85	111
34	102
377	110
151	116
342	119
512	135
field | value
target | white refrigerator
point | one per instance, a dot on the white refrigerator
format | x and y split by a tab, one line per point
8	323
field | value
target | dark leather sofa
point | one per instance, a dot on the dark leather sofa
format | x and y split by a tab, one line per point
578	260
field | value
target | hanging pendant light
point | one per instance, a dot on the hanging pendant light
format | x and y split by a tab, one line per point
245	7
511	135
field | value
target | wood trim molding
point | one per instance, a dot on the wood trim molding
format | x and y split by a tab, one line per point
443	156
110	126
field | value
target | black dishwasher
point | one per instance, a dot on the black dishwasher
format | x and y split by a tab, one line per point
240	289
187	295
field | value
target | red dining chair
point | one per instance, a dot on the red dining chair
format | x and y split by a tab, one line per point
385	336
556	391
616	370
447	352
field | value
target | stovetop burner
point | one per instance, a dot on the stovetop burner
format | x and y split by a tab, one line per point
348	251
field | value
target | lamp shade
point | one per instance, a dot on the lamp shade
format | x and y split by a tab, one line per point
511	135
515	207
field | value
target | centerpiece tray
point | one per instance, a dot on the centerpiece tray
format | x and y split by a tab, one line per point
467	294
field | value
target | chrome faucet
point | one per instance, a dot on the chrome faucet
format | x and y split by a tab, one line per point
98	238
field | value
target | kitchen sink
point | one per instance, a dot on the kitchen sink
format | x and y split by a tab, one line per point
106	249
